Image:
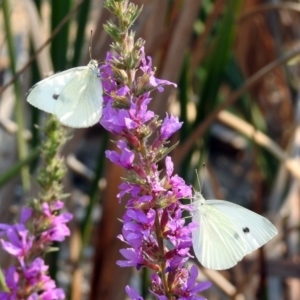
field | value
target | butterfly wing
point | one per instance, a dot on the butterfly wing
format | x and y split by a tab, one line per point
80	103
252	227
44	93
217	243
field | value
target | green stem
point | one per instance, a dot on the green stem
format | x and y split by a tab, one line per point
3	282
162	251
14	170
21	144
81	21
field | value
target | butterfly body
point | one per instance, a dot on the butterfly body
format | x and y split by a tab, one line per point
227	232
73	96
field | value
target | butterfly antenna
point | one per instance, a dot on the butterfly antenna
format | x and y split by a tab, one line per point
91	44
199	181
202	176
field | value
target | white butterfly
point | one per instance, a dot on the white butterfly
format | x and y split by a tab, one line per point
73	96
227	232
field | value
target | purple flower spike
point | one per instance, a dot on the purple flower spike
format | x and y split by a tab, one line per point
21	243
156	235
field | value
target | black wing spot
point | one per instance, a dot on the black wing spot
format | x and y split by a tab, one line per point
55	96
246	230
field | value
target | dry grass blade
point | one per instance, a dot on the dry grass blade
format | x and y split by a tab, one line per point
267	7
251	81
41	48
175	52
261	139
199	50
155	26
43	59
12	127
223	284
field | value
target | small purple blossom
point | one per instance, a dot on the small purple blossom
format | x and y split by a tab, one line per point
147	69
124	159
169	126
12	279
137	226
19	241
34	270
134	258
157	287
57	229
132	293
188	288
179	186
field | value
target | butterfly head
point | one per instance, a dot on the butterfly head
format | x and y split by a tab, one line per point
198	199
93	66
198	196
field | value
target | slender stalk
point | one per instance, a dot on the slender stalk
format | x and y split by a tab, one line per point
162	251
258	9
14	170
21	144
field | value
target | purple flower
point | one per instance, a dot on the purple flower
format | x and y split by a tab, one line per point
20	242
31	273
7	296
132	293
12	280
126	188
179	187
134	258
108	81
137	226
54	294
169	126
141	109
124	159
188	288
115	121
177	231
119	121
57	229
157	288
26	213
147	69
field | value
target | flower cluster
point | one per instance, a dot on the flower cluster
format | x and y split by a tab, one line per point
26	241
153	226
